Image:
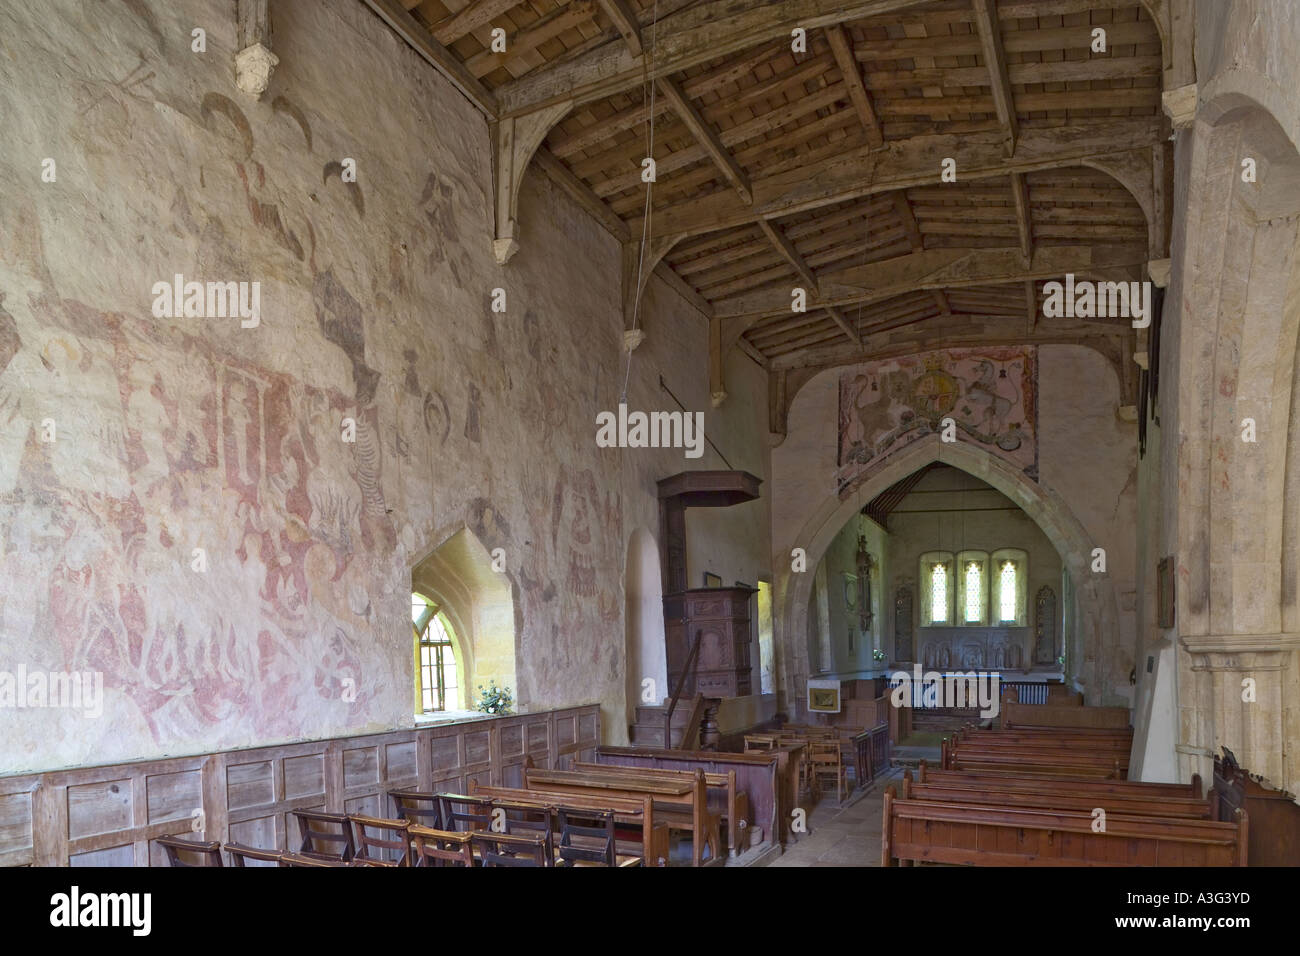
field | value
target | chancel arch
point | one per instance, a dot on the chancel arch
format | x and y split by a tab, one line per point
1096	602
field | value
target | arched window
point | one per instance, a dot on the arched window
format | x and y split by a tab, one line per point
439	683
1010	587
937	588
972	587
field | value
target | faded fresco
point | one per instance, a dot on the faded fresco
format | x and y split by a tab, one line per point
196	526
991	394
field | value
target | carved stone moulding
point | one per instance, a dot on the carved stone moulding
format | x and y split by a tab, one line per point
1240	652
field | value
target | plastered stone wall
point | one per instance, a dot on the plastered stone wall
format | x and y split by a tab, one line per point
1087	467
183	433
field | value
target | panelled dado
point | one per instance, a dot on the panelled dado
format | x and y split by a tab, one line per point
110	815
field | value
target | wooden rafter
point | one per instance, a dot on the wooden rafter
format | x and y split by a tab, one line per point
995	58
528	39
845	326
687	38
707	138
475	14
941	269
908	218
1020	195
913	162
781	242
624	19
851	73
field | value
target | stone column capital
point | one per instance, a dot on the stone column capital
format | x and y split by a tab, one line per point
1240	652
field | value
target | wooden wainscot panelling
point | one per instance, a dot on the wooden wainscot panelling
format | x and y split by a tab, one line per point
113	815
16	815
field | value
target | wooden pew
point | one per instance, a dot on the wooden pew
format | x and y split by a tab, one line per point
1091	784
1110	740
688	798
1056	794
1062	761
636	811
933	832
1275	838
760	779
734	809
1059	715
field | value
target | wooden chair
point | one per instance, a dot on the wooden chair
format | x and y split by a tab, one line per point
759	743
587	837
240	854
457	808
529	818
299	859
320	840
392	840
510	849
182	852
440	847
826	760
420	808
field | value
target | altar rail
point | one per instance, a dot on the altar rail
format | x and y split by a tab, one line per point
111	815
1030	692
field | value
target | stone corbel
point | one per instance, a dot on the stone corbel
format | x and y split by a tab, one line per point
254	62
1180	105
514	142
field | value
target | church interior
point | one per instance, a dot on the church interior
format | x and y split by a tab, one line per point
649	433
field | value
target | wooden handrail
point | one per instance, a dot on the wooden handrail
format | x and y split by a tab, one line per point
672	703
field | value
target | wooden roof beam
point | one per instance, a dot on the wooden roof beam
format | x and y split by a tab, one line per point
908	218
947	269
1020	193
422	42
475	14
708	138
688	37
786	248
912	162
842	47
624	19
995	58
845	326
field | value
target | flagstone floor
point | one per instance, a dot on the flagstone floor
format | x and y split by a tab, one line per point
843	836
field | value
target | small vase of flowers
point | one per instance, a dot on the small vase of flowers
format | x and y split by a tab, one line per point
494	700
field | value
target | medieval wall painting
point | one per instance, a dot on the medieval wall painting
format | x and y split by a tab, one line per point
991	394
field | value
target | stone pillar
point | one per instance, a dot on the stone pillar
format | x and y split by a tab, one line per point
1248	718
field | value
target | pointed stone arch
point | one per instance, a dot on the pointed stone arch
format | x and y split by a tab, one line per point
1096	606
458	573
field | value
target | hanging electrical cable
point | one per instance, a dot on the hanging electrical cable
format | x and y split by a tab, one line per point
647	230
